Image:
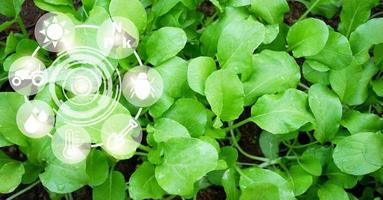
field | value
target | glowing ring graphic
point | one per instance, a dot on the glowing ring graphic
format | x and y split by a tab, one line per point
106	103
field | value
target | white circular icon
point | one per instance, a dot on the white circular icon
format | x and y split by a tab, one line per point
35	119
27	75
117	37
54	32
121	136
142	86
71	144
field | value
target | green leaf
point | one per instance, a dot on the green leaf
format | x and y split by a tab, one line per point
224	92
229	183
11	8
326	8
362	39
143	184
191	114
199	70
62	6
131	9
307	37
112	189
164	43
185	161
377	86
174	71
359	154
237	43
274	72
165	129
354	13
281	113
269	144
11	173
327	110
337	177
313	75
9	105
330	191
336	54
160	8
310	164
300	179
258	176
210	35
63	178
260	191
343	82
97	168
357	122
271	11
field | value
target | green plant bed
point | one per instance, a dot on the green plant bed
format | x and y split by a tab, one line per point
256	100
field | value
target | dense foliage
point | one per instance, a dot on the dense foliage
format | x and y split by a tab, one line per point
314	91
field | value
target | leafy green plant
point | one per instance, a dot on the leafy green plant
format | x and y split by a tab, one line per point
308	94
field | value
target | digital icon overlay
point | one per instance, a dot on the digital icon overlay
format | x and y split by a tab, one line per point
85	86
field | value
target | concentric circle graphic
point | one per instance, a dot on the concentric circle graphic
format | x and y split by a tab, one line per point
86	88
90	84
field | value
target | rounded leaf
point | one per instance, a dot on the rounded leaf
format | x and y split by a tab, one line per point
307	37
224	92
199	70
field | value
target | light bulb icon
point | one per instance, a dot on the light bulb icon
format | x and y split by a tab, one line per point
142	88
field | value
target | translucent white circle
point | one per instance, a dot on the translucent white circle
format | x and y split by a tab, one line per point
117	37
83	81
121	135
35	119
55	32
71	144
142	86
27	75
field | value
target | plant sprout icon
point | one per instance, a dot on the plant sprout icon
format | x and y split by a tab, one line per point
116	140
71	151
36	122
54	31
142	87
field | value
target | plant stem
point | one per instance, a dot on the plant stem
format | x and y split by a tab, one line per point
141	154
23	190
299	146
22	25
244	152
6	24
304	86
170	197
234	126
144	148
309	10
